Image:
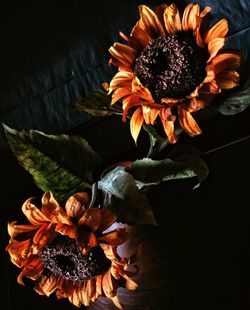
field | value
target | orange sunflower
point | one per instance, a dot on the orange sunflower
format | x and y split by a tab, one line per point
68	251
171	67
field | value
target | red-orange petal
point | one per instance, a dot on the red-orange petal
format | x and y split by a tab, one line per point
44	235
21	231
189	20
46	285
219	30
91	218
214	46
187	122
224	61
53	211
150	114
136	123
32	270
172	19
115	237
33	214
149	22
227	79
199	22
19	251
123	53
107	219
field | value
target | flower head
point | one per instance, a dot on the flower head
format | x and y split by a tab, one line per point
171	66
70	251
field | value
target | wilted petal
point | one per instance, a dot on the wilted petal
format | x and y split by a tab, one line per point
139	38
199	22
91	218
120	93
19	251
52	209
150	115
32	270
69	230
121	79
21	232
115	237
136	123
33	214
44	235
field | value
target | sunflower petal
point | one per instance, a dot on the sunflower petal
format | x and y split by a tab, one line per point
53	211
45	235
46	285
149	22
150	115
224	61
91	218
107	219
214	46
120	93
69	230
219	30
172	19
115	237
139	38
123	53
227	79
21	232
107	285
122	79
32	270
33	214
200	20
19	251
189	20
136	123
187	122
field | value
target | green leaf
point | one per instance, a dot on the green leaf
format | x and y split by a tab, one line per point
237	102
148	172
47	173
98	103
121	196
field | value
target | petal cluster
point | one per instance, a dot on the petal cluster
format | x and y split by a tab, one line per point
164	20
87	227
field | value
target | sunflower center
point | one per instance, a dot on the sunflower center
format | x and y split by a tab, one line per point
63	257
172	66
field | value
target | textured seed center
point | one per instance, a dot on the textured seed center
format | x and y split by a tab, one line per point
172	66
63	257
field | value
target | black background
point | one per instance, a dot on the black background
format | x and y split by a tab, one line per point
205	232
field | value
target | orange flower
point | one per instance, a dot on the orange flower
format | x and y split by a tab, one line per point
171	67
68	251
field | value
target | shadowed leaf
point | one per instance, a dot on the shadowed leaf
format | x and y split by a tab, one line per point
47	173
98	103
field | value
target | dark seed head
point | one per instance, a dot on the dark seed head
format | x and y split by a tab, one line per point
63	257
172	66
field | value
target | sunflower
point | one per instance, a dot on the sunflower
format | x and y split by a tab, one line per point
170	67
70	251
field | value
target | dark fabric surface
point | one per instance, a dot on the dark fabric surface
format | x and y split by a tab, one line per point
53	53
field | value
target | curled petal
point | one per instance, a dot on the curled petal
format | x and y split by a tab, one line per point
115	237
219	30
150	114
120	93
21	232
69	230
91	218
189	20
187	122
33	214
136	123
45	235
19	251
172	19
32	270
53	211
123	53
227	79
129	102
149	22
86	240
107	285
